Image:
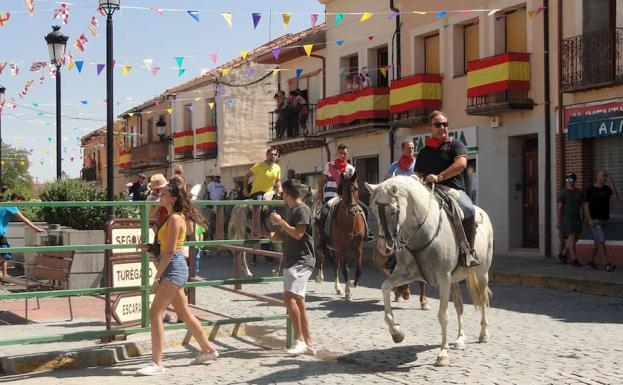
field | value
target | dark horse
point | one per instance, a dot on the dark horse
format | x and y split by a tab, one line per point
348	229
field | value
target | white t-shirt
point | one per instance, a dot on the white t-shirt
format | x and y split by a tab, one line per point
330	188
216	190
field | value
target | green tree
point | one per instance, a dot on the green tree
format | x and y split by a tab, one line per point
15	164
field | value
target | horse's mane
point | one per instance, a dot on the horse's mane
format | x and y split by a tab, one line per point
408	187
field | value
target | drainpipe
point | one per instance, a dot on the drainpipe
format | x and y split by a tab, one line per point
561	128
396	39
548	131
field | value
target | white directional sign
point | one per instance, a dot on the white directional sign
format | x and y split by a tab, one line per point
126	274
122	236
127	307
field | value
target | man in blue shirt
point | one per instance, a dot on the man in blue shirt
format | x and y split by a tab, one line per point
6	214
405	164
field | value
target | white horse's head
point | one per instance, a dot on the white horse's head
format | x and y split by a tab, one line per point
389	201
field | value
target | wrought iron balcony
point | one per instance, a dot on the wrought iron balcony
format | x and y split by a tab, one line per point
592	60
149	155
89	174
288	131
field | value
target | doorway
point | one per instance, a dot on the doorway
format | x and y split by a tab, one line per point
530	193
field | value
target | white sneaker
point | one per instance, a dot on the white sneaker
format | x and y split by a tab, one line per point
151	370
311	351
203	357
299	347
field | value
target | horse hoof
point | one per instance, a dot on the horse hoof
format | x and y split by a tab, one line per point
348	297
248	274
459	345
425	306
338	292
442	361
483	338
398	335
319	279
406	295
397	298
275	272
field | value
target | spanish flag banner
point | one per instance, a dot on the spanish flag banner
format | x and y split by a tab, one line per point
206	138
183	141
422	91
368	103
508	71
125	157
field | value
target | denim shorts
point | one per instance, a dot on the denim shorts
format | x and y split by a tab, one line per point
598	230
177	269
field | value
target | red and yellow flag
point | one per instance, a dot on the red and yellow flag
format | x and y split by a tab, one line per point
368	103
183	141
125	157
508	71
415	92
206	138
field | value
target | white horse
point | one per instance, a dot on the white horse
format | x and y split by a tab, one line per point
414	226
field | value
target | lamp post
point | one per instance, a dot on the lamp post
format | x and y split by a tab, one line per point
109	7
2	90
160	125
56	45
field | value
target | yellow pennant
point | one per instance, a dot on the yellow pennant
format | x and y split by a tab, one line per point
286	18
308	48
227	17
226	71
244	54
419	12
126	70
211	104
197	99
275	71
131	114
383	71
170	110
366	16
531	13
71	65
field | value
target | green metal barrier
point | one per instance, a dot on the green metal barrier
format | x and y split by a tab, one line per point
145	287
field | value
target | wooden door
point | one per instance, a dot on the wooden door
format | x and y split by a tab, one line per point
530	194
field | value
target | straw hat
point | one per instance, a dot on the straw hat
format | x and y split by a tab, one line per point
157	181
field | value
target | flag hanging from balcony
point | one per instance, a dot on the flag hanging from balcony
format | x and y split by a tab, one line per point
125	157
422	91
508	71
183	141
368	103
206	138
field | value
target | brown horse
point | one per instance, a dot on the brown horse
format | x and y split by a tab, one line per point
348	229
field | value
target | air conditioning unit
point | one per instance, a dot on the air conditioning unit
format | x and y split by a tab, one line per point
495	121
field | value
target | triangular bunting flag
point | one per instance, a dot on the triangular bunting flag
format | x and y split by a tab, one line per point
256	19
71	65
531	13
170	110
179	60
180	72
211	104
370	37
383	71
2	65
159	10
194	14
250	72
441	14
227	17
275	71
299	72
365	16
99	68
276	52
226	71
286	18
30	5
85	102
243	55
36	105
126	70
394	15
131	114
314	19
79	65
214	57
308	48
148	63
338	18
339	42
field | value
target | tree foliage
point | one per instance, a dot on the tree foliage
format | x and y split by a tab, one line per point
15	166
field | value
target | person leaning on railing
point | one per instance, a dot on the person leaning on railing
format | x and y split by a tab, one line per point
172	275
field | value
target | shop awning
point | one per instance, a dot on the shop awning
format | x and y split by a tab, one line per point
595	125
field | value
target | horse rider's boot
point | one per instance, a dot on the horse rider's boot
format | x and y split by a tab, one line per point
470	226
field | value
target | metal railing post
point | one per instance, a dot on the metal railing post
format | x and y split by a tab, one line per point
289	333
145	266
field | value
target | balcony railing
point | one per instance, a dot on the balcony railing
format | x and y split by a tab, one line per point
592	60
291	123
412	98
499	83
149	155
89	174
366	107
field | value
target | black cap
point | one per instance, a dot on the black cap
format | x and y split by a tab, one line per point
571	175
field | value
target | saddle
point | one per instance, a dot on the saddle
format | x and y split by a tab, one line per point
447	198
332	205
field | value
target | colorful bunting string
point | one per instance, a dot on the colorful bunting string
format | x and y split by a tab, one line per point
308	48
366	16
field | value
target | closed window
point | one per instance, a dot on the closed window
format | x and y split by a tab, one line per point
431	55
471	43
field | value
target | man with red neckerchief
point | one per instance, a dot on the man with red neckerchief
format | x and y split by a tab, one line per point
405	165
443	161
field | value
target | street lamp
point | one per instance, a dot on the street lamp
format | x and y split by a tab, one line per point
2	90
56	45
160	125
109	7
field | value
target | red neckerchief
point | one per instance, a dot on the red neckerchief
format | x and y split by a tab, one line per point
435	143
340	165
405	162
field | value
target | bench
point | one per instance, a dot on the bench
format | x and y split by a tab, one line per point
49	272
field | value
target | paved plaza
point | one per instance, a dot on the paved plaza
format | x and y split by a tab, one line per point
538	336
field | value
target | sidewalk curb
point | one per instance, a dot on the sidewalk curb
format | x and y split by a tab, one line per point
609	289
99	355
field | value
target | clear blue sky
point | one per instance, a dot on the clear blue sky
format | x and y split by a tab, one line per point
139	35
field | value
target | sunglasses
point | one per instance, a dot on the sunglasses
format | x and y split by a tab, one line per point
274	154
439	124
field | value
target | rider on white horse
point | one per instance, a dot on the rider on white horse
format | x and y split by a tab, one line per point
443	161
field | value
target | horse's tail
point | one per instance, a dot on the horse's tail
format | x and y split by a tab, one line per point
480	295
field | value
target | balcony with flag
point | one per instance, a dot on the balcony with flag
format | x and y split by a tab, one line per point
206	142
183	144
366	109
412	98
149	155
499	83
125	159
290	131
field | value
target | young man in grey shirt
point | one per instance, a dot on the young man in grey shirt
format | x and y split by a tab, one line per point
569	218
299	261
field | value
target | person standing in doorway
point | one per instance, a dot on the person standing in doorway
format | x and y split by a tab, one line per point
569	219
597	200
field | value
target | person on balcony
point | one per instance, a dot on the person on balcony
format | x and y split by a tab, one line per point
280	103
303	110
291	115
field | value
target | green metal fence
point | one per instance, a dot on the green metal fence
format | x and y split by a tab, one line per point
145	288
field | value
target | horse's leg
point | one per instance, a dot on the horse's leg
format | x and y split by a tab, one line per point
245	267
398	277
483	283
319	264
444	297
358	263
457	299
337	258
345	272
424	305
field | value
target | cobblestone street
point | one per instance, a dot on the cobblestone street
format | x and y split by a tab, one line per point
537	336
